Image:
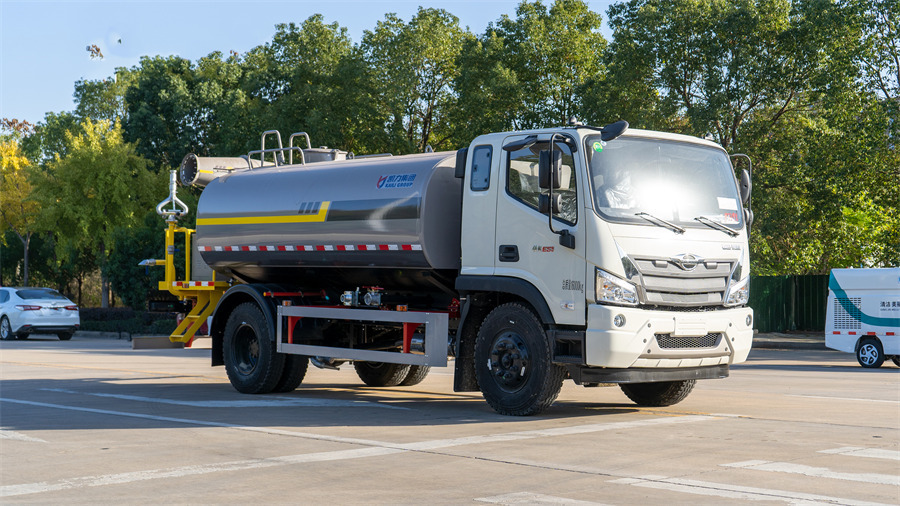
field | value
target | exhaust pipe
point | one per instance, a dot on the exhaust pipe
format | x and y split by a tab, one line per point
201	170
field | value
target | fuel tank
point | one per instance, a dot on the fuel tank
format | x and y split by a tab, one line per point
392	222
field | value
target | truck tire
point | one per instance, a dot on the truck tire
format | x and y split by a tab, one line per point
415	376
513	362
251	361
896	360
381	374
295	367
870	354
663	393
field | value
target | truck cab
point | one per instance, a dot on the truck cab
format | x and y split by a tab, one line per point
637	247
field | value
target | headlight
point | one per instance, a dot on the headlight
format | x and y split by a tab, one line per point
738	293
614	290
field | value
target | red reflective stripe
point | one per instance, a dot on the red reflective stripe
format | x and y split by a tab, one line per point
870	333
383	247
888	333
406	247
341	247
361	247
852	333
320	248
836	332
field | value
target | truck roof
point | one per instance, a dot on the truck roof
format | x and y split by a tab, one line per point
631	132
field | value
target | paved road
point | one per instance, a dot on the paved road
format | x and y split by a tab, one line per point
91	421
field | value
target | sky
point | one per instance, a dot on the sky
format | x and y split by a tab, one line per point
43	43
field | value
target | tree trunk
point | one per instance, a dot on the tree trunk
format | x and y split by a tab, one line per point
26	240
104	279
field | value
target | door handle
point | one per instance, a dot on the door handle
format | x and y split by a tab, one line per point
509	253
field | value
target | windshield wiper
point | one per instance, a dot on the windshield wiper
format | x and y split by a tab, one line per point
716	225
661	222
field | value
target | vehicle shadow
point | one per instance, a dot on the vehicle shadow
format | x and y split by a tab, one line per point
151	402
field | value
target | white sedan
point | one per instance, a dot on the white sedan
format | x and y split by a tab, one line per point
25	311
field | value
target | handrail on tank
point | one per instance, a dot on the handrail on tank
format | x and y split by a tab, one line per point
173	213
291	146
262	152
279	160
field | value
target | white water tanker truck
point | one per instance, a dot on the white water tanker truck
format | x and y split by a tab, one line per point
601	255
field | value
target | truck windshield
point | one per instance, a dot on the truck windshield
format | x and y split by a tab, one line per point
673	181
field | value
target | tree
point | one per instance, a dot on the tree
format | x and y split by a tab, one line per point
414	67
18	212
553	53
103	98
100	185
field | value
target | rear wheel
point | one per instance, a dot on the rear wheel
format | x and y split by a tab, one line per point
870	354
663	393
415	376
380	374
295	367
251	361
64	336
513	362
5	329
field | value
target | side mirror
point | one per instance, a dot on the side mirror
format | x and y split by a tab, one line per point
549	169
546	204
461	155
746	186
613	130
748	217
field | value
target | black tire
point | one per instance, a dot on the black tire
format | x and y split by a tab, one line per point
870	354
663	393
513	362
380	374
6	332
292	375
251	361
415	376
64	336
896	360
21	337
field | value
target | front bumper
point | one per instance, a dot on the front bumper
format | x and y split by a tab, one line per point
667	339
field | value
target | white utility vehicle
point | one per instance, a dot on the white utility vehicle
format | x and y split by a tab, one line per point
863	314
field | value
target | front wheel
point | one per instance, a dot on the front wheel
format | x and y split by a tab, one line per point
251	361
663	393
870	354
513	362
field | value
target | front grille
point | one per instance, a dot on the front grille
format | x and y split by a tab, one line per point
663	283
667	342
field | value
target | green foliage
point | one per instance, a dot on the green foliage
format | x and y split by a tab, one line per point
133	283
414	66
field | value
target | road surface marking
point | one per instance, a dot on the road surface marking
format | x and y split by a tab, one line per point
874	453
844	398
176	472
267	402
816	472
375	448
727	491
537	499
17	436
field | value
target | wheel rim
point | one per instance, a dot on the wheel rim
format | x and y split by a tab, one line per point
4	328
509	361
245	350
868	354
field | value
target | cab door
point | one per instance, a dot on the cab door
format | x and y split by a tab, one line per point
525	246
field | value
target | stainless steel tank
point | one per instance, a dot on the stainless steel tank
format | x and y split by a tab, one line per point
393	222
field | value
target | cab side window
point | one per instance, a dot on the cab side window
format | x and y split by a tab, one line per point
522	179
481	168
